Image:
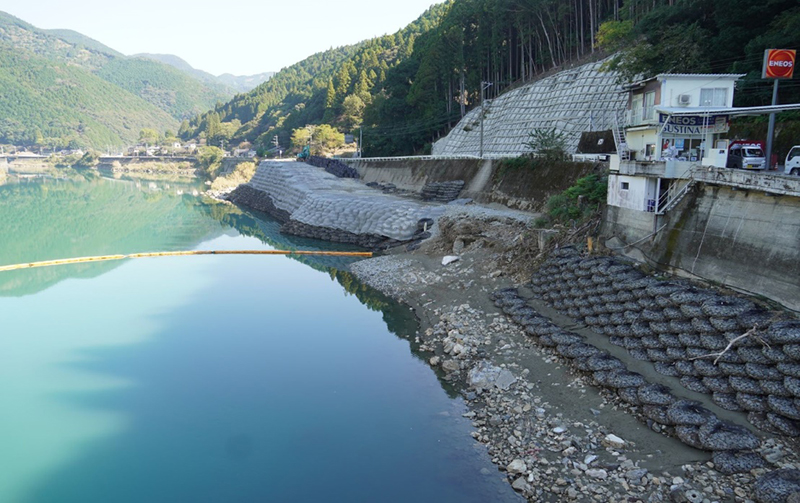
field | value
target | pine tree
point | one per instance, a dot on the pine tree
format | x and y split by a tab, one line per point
330	98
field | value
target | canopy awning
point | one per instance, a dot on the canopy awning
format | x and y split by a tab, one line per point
730	111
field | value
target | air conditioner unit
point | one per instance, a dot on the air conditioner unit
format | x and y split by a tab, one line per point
684	99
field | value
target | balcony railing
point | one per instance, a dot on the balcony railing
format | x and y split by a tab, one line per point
644	115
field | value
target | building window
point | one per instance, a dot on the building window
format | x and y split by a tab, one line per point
649	105
636	109
625	185
714	97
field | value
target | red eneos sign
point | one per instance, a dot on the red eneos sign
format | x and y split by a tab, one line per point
778	64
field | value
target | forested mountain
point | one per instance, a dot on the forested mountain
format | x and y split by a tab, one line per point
137	92
244	83
510	41
330	87
701	36
81	40
430	83
54	105
228	82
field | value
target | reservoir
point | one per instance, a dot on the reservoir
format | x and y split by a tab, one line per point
210	378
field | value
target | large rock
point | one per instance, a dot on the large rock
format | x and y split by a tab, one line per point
484	375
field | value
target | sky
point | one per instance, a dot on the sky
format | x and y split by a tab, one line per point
242	37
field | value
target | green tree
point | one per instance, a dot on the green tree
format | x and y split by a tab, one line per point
352	111
185	131
330	97
213	127
227	130
210	160
301	137
343	82
149	136
89	160
329	138
550	144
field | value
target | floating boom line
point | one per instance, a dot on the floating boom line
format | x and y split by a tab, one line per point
106	258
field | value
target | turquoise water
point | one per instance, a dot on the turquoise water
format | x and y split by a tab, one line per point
218	379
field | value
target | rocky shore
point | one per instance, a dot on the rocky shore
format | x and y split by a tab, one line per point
561	429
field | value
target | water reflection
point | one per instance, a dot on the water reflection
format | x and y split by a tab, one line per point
51	219
256	381
235	378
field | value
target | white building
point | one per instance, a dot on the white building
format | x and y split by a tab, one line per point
669	127
674	132
653	133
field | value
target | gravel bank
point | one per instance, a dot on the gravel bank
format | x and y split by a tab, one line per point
551	428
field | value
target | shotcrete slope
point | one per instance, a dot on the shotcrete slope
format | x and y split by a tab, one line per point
571	101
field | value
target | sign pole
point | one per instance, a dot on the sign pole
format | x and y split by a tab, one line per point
771	128
778	64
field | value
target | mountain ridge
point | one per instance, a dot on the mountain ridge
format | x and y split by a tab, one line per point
236	83
46	54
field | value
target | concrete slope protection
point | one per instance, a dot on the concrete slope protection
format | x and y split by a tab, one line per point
584	98
311	202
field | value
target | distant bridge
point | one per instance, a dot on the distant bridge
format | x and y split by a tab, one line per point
144	158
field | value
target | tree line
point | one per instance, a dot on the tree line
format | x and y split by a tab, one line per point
408	89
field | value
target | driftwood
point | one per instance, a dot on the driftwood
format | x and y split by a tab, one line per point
730	345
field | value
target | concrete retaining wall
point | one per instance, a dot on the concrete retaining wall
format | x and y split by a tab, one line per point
413	174
485	180
747	240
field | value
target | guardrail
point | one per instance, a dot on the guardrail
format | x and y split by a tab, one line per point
429	158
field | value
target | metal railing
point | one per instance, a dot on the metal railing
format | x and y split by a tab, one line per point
672	196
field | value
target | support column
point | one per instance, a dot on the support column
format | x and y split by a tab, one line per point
771	129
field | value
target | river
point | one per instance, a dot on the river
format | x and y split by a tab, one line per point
210	378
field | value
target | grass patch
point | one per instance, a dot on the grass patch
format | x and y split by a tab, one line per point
242	174
579	202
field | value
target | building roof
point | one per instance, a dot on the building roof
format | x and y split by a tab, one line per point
734	76
731	111
663	76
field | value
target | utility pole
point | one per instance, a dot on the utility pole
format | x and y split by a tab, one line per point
484	87
771	127
360	142
277	144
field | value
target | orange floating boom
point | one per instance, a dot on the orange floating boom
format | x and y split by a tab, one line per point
105	258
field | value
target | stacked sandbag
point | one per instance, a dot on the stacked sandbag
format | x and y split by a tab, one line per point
313	203
691	333
442	192
333	166
732	445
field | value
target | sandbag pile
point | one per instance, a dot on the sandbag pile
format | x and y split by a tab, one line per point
682	329
333	166
315	204
442	192
732	445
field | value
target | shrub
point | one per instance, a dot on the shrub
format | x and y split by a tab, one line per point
550	144
578	202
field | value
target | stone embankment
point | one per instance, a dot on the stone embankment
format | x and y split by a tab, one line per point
313	203
578	393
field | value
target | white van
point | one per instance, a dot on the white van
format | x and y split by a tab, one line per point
746	156
793	161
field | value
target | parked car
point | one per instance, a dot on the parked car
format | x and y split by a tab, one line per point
793	161
746	156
